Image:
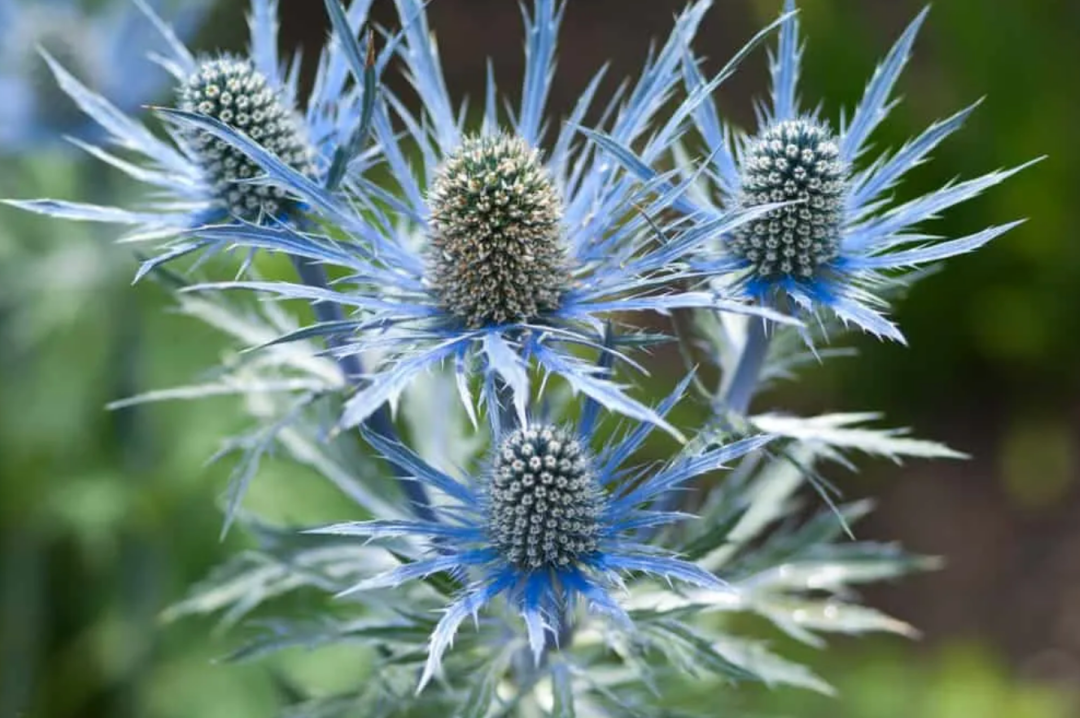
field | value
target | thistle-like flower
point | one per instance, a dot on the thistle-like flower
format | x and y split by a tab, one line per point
548	523
795	162
496	246
106	48
197	179
233	92
502	248
836	242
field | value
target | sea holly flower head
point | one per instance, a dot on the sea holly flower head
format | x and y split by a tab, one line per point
496	250
838	240
195	179
543	500
842	241
794	162
548	522
233	92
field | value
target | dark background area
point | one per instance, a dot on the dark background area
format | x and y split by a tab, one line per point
98	537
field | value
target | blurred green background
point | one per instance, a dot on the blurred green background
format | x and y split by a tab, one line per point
106	518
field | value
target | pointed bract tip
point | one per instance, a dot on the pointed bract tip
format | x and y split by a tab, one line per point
371	54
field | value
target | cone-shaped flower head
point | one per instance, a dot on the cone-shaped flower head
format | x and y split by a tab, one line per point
794	161
549	520
543	500
497	252
233	92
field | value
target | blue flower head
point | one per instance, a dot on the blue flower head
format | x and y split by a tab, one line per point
105	47
196	179
836	239
503	243
547	523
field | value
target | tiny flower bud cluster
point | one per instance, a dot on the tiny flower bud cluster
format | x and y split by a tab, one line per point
795	160
235	93
496	249
543	501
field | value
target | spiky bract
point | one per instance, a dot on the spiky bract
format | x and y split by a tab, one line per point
792	161
232	91
497	254
543	500
59	32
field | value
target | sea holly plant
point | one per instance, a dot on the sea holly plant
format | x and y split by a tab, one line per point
841	243
526	527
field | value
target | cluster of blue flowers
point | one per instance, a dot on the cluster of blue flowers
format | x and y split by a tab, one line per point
480	272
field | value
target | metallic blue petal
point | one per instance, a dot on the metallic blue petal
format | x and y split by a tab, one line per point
446	562
684	470
395	529
532	610
125	131
510	367
616	454
638	166
425	73
873	232
659	77
663	566
387	385
83	212
315	295
716	135
584	378
640	519
598	598
263	21
182	59
540	33
852	311
281	173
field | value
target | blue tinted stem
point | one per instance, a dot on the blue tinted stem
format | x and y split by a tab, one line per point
313	274
740	390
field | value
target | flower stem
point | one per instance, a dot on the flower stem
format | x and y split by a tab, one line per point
737	394
314	275
733	398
